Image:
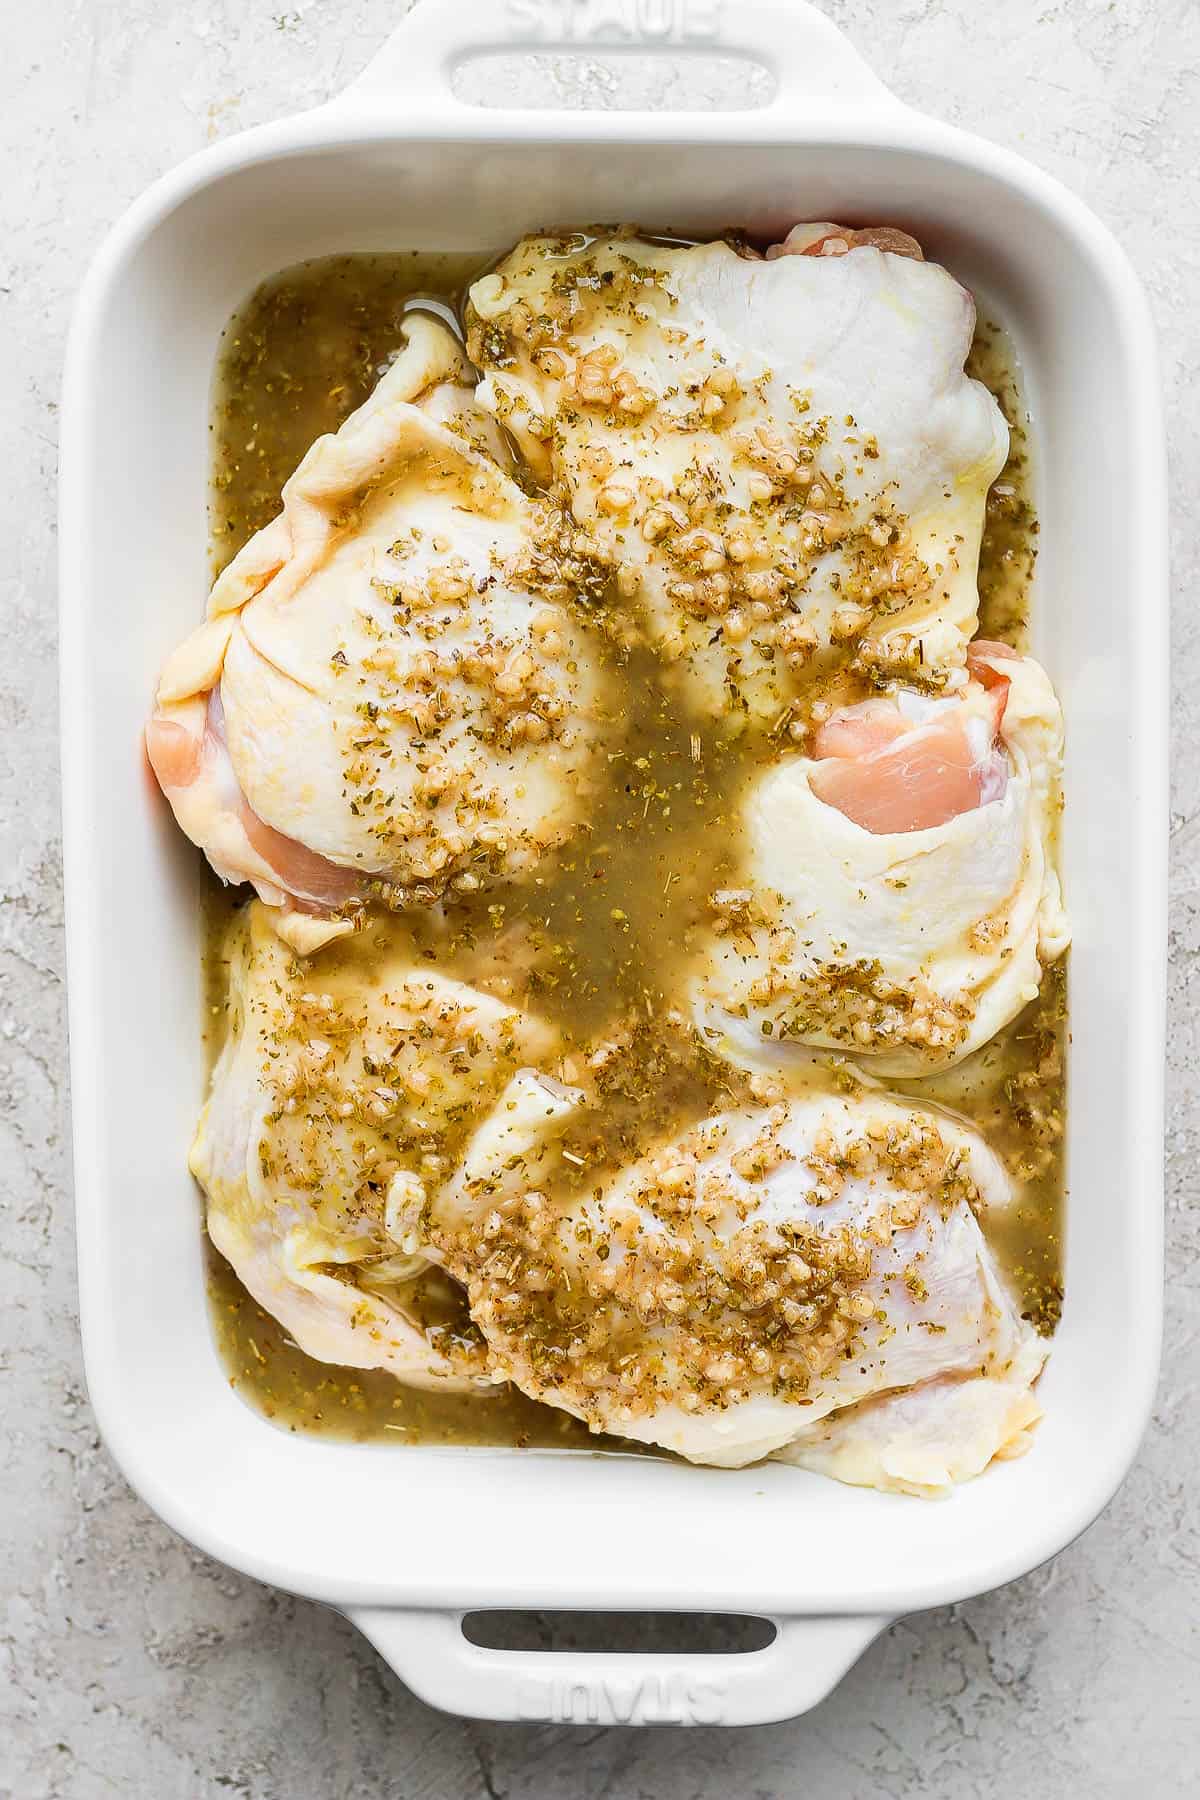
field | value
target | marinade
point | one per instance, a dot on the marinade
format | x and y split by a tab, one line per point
604	932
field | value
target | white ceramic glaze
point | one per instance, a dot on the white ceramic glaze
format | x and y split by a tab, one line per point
407	1539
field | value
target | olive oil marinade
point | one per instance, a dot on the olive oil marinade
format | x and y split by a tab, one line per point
598	940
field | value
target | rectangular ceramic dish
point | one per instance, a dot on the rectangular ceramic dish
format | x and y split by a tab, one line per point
407	1539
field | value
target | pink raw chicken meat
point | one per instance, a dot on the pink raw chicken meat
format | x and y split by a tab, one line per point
827	239
890	775
181	758
175	753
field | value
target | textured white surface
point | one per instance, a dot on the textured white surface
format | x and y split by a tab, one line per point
134	1666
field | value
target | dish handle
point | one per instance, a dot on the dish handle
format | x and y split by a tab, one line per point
431	1655
808	58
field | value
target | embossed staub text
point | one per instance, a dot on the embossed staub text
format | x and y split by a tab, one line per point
658	1699
649	22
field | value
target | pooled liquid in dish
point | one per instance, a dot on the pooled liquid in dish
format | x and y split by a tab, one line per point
600	939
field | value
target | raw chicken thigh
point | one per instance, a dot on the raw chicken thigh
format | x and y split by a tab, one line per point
330	1103
809	1279
782	459
389	698
900	900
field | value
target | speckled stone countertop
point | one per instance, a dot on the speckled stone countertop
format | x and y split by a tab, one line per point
132	1665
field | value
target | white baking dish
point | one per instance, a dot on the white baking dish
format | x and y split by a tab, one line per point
406	1539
